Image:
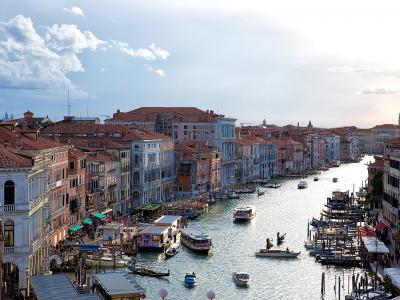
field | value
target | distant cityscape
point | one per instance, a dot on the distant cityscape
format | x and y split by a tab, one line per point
55	175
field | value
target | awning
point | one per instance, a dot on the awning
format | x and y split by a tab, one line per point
107	210
88	221
374	245
98	215
75	228
366	231
380	226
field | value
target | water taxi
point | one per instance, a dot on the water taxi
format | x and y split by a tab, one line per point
244	213
241	279
196	240
302	185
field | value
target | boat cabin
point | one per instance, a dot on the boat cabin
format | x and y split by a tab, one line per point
154	238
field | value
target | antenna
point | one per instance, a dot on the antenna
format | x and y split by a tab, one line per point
69	105
87	106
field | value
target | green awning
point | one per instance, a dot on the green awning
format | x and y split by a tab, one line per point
75	228
88	221
98	215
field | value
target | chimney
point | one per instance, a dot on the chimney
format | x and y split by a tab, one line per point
118	111
211	112
18	142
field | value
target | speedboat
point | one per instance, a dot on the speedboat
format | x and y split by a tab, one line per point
190	280
241	279
272	185
276	253
302	185
244	213
196	240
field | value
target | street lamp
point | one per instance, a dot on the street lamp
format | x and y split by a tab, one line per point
210	295
163	293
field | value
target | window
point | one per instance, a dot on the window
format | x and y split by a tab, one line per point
71	165
9	193
9	234
185	127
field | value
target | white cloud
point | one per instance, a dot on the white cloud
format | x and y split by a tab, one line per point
31	61
151	53
74	10
159	72
379	91
69	38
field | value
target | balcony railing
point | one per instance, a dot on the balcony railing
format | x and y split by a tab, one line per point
57	213
9	208
16	250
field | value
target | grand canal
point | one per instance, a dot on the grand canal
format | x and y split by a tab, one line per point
285	210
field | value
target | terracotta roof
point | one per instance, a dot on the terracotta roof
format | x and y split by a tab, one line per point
120	133
385	126
8	159
9	138
97	143
178	114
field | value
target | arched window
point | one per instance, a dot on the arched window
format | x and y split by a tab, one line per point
136	195
9	193
9	233
136	178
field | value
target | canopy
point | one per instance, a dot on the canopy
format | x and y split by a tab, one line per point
98	215
380	226
88	221
394	275
374	245
366	231
75	228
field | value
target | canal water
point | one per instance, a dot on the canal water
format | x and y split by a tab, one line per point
286	210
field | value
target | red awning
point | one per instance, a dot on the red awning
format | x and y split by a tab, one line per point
380	226
366	231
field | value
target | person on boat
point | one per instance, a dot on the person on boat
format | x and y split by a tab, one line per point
287	250
278	237
269	244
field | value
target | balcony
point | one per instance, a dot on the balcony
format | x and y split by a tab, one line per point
16	250
15	208
57	213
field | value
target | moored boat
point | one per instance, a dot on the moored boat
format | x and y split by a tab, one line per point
147	272
316	178
196	240
241	279
274	185
276	253
233	195
190	280
302	185
244	213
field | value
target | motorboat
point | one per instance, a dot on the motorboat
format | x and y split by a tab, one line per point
190	280
241	279
276	253
147	272
335	179
109	261
196	240
171	251
380	293
272	185
260	193
244	213
245	191
316	178
302	185
233	195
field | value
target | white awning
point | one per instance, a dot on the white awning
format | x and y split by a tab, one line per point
374	245
394	275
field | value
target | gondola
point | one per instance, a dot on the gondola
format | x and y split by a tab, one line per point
147	272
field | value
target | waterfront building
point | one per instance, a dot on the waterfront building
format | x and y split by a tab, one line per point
391	193
188	124
198	168
245	164
374	168
381	134
33	174
391	146
365	139
332	148
268	158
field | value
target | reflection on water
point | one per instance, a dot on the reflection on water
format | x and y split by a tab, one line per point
286	210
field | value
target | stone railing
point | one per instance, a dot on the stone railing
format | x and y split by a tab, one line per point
16	250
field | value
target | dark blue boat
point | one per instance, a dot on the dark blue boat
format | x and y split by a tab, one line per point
190	280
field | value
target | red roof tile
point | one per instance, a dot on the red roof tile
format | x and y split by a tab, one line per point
8	159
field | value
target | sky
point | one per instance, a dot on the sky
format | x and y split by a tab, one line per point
332	62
